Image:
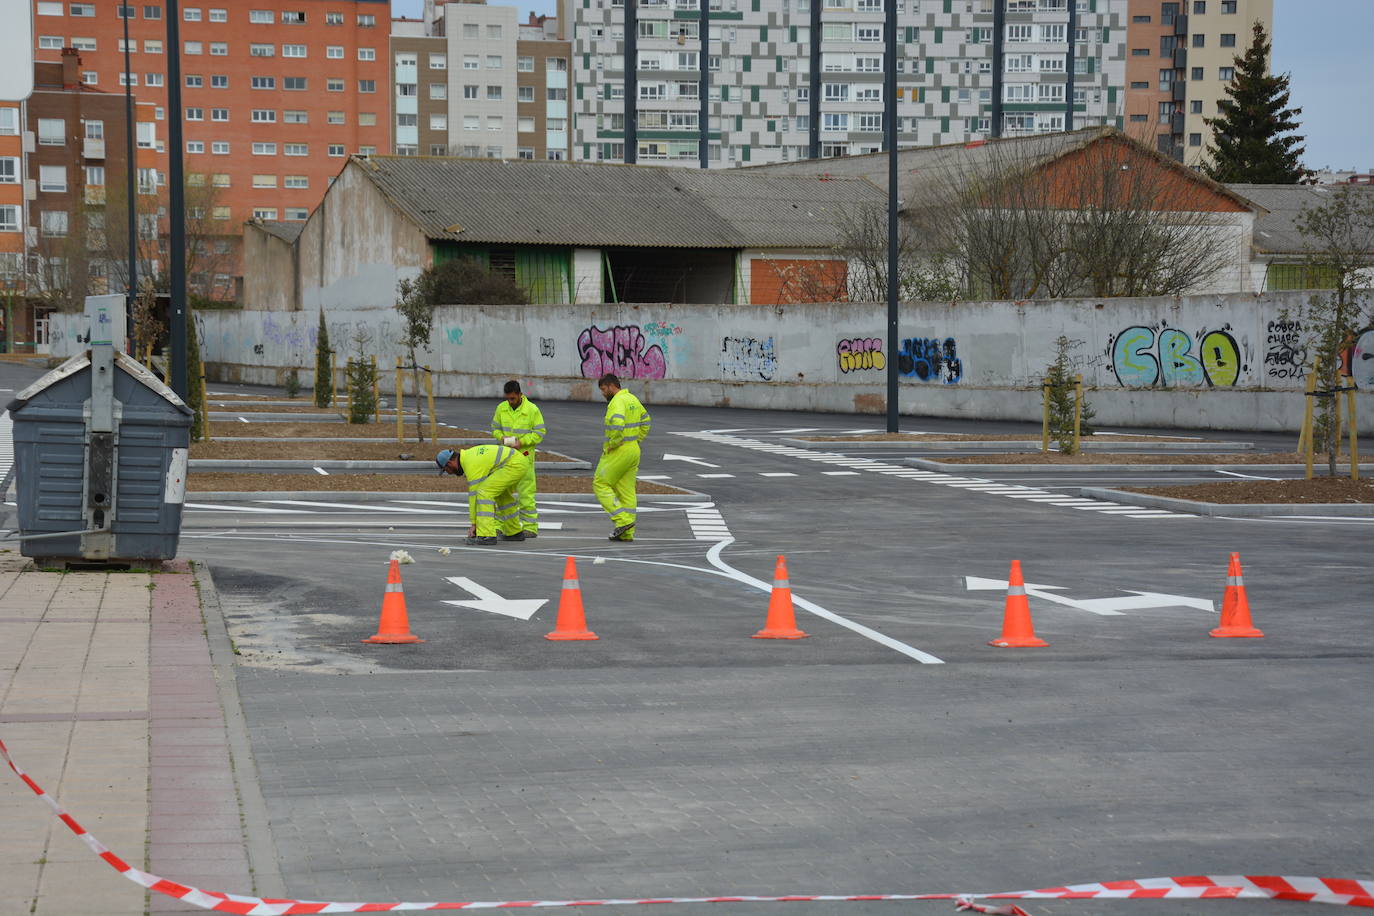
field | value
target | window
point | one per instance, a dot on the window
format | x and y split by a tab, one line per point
264	149
219	180
191	14
219	15
291	116
367	54
293	50
493	61
128	79
334	117
295	181
472	30
1168	12
264	82
367	151
334	85
219	114
870	122
293	17
264	181
219	49
1228	39
262	16
524	152
264	116
472	62
95	175
557	124
195	114
493	93
220	148
834	121
9	170
438	122
470	91
1200	7
524	94
1227	6
194	81
192	47
293	83
438	90
52	132
367	119
265	213
336	149
524	64
195	146
49	8
52	178
9	219
1226	74
493	31
219	212
152	12
219	81
1139	118
1195	106
366	22
438	62
1195	139
87	10
495	123
556	64
1140	52
1166	111
555	155
333	18
151	79
54	223
334	52
1020	33
296	214
836	92
9	122
472	122
438	149
51	43
367	85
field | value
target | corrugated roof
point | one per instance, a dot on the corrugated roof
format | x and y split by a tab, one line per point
565	203
1276	232
287	232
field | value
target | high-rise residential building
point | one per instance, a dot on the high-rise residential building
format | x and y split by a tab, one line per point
1181	59
13	202
792	79
471	80
275	95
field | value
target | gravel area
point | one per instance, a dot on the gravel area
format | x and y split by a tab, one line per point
1316	490
219	406
1128	458
202	481
290	430
226	449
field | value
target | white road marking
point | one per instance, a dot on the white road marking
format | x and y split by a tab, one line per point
714	476
841	473
322	471
227	508
242	420
487	600
1247	476
374	507
777	474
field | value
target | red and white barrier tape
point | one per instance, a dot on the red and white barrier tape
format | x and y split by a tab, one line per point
1341	891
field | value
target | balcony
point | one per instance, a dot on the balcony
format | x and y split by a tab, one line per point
93	149
1176	123
1180	91
1180	58
1181	25
95	195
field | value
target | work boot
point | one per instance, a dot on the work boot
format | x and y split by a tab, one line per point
620	531
518	536
480	541
531	534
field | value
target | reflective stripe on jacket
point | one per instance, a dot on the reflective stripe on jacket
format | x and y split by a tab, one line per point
626	420
525	423
479	461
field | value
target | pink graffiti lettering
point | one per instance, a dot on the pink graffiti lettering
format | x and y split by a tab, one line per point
619	350
860	353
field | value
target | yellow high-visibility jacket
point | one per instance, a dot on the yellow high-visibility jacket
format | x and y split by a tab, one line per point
478	462
626	421
525	423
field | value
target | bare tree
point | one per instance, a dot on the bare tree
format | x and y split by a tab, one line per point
925	272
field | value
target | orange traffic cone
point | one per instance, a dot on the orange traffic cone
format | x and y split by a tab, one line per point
782	619
1235	607
572	622
1017	630
395	625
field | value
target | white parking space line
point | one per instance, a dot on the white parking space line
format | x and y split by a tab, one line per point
777	474
216	507
374	507
841	473
714	476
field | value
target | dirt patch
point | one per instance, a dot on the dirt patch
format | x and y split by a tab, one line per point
305	430
1316	490
1127	458
229	449
202	481
226	407
967	437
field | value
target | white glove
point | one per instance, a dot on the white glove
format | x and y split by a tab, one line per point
511	441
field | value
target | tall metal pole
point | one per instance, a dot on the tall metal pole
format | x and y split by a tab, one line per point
130	188
176	206
890	141
999	27
1069	67
705	88
813	105
631	14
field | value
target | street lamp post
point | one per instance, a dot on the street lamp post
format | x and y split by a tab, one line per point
890	141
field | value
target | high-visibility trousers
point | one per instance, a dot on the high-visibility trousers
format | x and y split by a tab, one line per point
614	484
494	502
529	515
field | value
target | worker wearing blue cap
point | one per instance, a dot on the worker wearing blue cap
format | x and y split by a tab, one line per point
494	473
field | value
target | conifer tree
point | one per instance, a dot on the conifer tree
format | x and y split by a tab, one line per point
1252	138
324	372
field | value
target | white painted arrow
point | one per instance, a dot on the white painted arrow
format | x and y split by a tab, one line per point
1106	607
705	464
488	600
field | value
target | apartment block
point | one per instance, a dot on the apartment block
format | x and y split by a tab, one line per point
275	95
13	198
1182	57
471	80
788	79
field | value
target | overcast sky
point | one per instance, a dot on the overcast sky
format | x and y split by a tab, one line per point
1322	43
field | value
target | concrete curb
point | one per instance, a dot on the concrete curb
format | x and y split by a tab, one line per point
1228	510
362	496
1026	445
258	843
930	464
263	416
401	467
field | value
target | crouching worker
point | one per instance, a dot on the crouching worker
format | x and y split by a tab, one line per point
494	473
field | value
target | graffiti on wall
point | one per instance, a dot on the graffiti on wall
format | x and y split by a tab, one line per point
1143	357
546	347
1285	355
748	359
930	359
858	353
663	329
620	350
1359	359
454	335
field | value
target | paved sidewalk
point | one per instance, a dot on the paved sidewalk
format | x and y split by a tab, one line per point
110	701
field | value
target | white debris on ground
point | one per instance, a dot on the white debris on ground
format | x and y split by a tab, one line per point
402	557
444	551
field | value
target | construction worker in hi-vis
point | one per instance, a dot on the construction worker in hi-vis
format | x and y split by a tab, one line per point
627	424
518	424
493	472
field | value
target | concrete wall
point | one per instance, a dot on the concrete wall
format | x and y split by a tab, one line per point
1221	362
271	284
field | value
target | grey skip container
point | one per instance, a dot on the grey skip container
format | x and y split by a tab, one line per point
60	467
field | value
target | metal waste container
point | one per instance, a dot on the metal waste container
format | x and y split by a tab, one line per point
100	448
